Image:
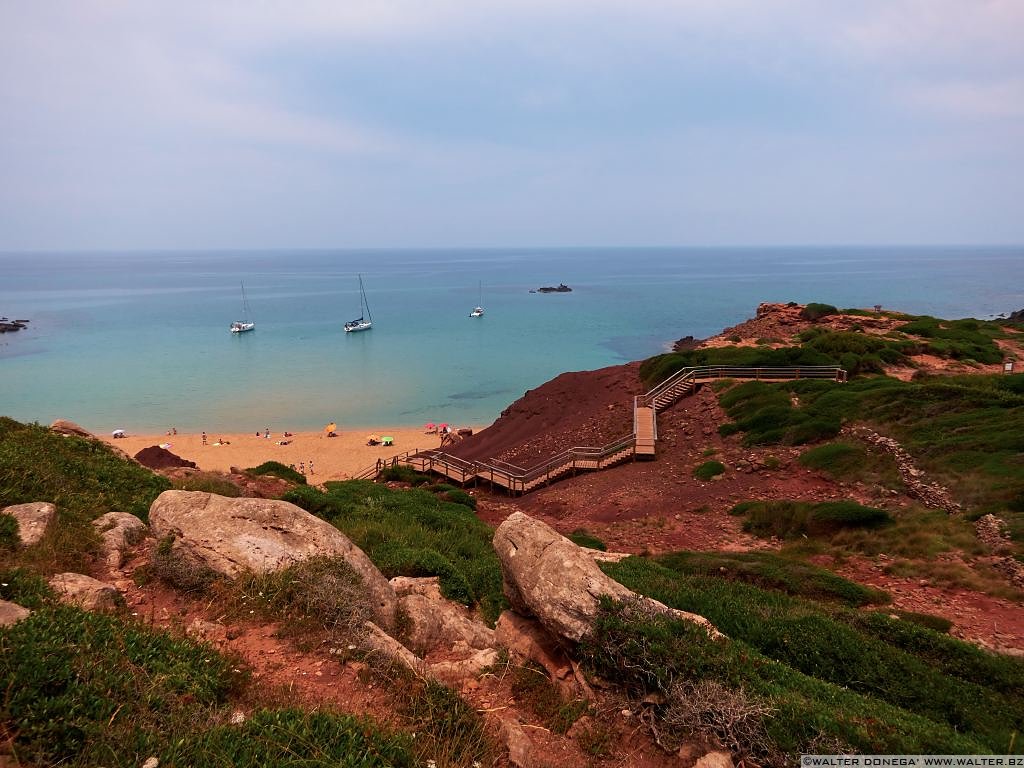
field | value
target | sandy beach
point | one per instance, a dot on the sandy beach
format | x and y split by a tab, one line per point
332	458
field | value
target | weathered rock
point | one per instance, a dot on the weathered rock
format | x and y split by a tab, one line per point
65	427
230	536
156	457
527	639
207	631
33	520
456	671
428	586
85	592
440	623
379	641
518	744
11	613
118	531
547	576
714	760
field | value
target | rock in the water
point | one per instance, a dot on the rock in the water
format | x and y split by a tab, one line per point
230	536
33	520
547	576
156	457
118	531
65	427
11	613
85	592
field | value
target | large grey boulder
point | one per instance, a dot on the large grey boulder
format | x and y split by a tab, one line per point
439	623
547	576
33	520
85	592
11	613
230	536
118	531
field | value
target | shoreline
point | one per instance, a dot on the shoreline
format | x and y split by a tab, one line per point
332	458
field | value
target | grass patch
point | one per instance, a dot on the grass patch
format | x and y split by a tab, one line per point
776	572
709	469
412	532
532	688
88	689
816	311
582	538
866	681
208	482
788	519
9	538
278	470
402	473
83	478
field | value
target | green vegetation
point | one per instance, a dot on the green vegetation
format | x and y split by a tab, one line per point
9	539
533	689
208	482
279	470
27	589
786	519
709	469
452	493
856	680
816	311
769	570
412	532
84	478
401	473
87	689
583	538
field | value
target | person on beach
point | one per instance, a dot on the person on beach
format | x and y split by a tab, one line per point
311	467
266	433
302	467
204	438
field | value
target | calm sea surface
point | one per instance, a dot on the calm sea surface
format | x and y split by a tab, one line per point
141	341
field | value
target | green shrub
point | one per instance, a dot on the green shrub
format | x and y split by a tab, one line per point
178	569
412	532
292	738
582	538
838	459
459	496
786	519
83	478
279	470
84	687
401	473
208	483
907	685
926	620
27	589
709	469
816	311
9	538
772	571
533	689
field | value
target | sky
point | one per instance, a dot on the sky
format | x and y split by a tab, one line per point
141	124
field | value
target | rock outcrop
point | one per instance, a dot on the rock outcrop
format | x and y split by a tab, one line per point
65	427
230	536
118	531
33	520
547	576
156	457
85	592
11	613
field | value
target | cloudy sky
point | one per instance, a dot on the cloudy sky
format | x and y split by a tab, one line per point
141	124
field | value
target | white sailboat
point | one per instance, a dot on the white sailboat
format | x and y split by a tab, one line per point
245	324
478	310
365	320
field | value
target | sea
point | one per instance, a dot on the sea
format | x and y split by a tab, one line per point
140	341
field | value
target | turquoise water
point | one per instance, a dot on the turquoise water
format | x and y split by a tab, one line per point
141	341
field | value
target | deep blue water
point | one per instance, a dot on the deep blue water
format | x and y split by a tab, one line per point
141	341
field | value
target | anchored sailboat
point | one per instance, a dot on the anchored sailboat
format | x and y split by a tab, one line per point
478	310
365	320
245	324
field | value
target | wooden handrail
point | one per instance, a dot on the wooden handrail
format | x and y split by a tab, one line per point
516	478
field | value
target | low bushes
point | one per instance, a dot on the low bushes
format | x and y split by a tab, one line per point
786	519
412	532
709	469
279	470
772	571
87	689
583	538
816	311
860	679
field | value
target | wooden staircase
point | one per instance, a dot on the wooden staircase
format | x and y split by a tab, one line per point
642	442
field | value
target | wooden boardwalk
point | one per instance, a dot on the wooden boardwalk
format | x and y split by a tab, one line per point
640	443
